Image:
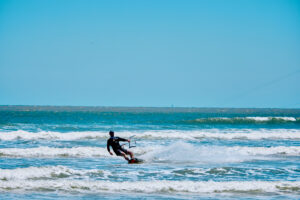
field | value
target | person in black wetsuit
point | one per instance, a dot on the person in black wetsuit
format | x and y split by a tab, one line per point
118	149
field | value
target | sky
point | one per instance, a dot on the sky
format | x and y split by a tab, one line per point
160	53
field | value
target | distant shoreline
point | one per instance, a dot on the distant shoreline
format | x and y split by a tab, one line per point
148	109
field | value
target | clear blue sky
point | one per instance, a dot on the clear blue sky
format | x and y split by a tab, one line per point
227	53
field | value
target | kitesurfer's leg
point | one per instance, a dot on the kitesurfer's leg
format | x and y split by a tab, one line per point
127	152
131	154
124	155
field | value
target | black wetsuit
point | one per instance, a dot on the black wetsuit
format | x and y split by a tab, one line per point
114	143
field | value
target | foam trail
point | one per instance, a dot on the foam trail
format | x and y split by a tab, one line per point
182	152
83	186
228	134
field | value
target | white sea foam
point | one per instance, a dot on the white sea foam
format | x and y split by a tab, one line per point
177	152
247	120
48	135
63	172
292	119
84	186
62	152
46	172
281	150
250	134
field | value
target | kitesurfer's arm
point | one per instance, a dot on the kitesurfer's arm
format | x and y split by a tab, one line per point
123	140
108	147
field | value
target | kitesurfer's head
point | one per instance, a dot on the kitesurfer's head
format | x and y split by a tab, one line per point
111	133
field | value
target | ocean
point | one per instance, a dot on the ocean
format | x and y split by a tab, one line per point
49	152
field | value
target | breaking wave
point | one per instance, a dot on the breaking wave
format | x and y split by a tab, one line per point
48	172
86	186
251	134
63	172
177	152
49	152
246	120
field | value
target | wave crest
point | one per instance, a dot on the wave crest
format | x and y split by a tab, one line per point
246	120
177	152
228	134
83	186
63	172
48	172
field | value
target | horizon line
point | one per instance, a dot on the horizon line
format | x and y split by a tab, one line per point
184	107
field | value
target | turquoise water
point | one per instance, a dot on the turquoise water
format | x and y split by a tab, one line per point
189	153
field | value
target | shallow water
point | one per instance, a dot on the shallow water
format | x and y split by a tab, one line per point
60	152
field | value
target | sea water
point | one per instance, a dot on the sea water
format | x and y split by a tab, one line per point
188	153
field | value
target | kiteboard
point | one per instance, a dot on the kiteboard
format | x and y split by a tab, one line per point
135	161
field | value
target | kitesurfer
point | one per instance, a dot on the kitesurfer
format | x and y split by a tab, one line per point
118	149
